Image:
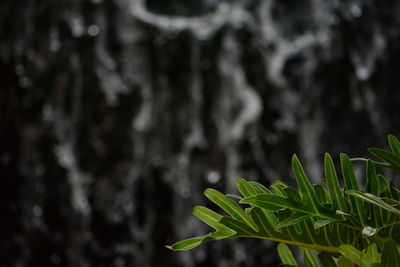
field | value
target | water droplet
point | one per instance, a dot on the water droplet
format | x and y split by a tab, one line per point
200	255
356	10
55	43
93	30
213	177
65	155
37	211
363	73
185	192
332	19
24	82
368	231
76	25
48	113
240	255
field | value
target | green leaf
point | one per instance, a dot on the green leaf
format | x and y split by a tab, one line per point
390	254
295	218
315	217
186	244
352	254
286	255
351	184
309	259
373	256
230	207
245	188
300	234
372	187
333	185
306	189
383	185
344	262
372	182
393	191
292	193
392	159
211	218
241	228
326	260
383	192
320	193
259	187
193	242
278	188
321	222
266	200
377	201
394	144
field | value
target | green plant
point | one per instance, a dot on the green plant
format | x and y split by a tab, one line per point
332	225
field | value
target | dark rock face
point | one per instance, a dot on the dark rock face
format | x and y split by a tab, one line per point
116	115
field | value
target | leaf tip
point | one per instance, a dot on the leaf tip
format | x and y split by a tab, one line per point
173	248
208	191
327	156
247	200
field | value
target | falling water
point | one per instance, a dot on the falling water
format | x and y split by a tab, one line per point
116	115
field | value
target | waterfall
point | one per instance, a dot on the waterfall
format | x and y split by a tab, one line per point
116	116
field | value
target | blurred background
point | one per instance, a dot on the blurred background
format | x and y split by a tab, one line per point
115	115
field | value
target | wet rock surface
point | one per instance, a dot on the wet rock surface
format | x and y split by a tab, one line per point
116	115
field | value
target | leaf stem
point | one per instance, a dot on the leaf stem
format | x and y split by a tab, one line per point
295	243
388	225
